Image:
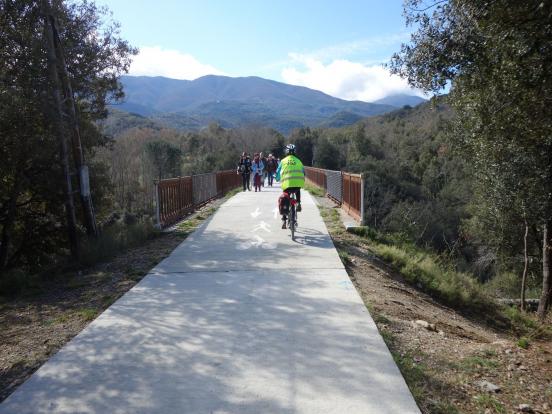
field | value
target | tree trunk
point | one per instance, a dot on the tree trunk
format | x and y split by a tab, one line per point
526	260
7	228
546	283
56	92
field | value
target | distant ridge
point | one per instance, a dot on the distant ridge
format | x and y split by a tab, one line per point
235	102
400	100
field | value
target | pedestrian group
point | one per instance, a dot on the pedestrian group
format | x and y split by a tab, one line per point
259	170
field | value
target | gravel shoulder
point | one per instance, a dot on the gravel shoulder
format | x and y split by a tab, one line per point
451	363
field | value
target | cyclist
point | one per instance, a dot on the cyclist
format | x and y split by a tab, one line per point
291	174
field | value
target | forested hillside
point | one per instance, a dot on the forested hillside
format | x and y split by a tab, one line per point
422	191
414	185
239	102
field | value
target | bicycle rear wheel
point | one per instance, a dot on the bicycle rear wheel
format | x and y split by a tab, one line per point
292	222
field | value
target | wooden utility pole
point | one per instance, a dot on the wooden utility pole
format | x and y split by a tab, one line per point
70	115
60	130
78	156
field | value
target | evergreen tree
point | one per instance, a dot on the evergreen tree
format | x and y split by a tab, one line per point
31	197
496	56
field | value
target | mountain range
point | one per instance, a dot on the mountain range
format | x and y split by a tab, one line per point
235	102
400	100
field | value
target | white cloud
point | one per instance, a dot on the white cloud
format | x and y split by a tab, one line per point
345	79
155	61
374	46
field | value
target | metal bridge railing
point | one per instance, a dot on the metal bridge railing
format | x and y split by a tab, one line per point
178	197
204	187
334	188
353	195
344	188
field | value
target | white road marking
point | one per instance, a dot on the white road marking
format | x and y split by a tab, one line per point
269	246
249	244
258	242
263	226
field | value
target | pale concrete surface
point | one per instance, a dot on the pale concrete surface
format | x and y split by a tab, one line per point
226	325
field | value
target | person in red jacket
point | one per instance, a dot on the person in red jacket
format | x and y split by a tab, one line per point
270	168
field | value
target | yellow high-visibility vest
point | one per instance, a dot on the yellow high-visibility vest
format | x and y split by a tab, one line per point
292	172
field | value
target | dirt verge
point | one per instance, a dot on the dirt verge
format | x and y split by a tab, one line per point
452	364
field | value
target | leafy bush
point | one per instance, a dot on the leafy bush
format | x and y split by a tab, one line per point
428	271
523	343
365	231
345	258
505	284
520	323
508	285
116	238
15	281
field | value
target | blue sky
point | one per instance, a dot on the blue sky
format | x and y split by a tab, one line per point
336	47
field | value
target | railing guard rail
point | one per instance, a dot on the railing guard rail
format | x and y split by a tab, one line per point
344	188
178	197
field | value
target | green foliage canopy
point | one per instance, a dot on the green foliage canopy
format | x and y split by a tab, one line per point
31	202
496	57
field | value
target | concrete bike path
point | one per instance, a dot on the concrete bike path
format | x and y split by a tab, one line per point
238	319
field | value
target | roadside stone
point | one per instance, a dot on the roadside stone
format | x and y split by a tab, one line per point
426	325
488	386
525	408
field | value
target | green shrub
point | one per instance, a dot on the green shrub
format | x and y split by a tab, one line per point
523	342
345	258
365	231
508	285
13	282
489	402
520	323
474	363
115	239
428	271
87	314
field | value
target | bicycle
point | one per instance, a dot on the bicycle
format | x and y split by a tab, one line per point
292	216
